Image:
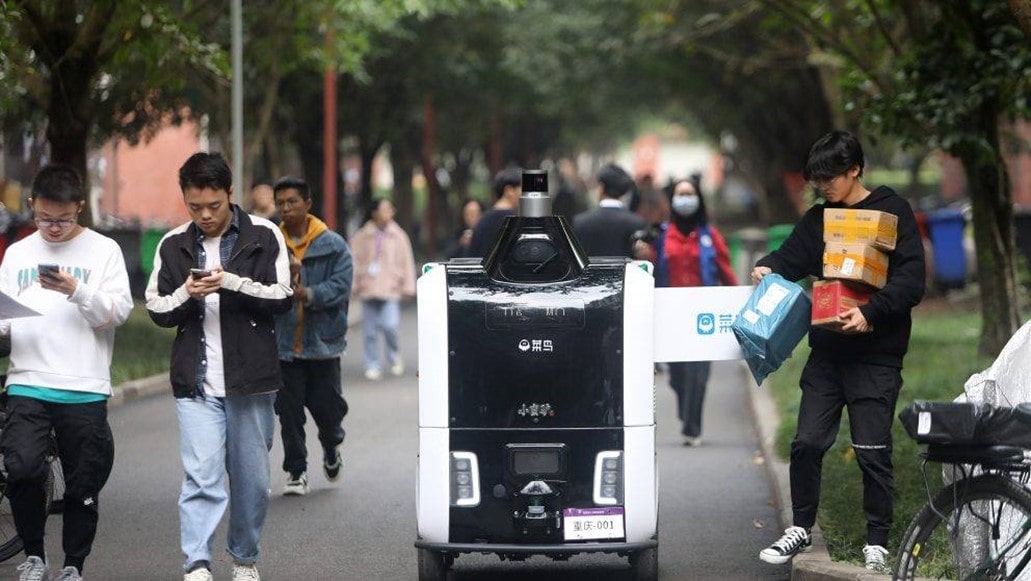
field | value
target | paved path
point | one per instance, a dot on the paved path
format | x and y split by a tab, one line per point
716	508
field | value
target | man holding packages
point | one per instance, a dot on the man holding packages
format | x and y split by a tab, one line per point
860	365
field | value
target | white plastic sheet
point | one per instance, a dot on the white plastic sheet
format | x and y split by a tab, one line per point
1006	383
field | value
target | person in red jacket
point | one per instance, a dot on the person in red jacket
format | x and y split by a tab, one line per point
688	251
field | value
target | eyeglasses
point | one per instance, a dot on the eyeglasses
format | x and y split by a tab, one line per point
289	202
822	183
48	223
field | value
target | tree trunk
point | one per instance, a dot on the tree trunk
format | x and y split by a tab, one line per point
402	160
993	236
429	172
1022	10
69	118
258	138
310	153
368	155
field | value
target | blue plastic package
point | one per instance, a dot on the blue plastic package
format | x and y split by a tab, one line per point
771	324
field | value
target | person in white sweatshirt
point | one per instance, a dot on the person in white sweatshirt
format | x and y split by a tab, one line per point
59	377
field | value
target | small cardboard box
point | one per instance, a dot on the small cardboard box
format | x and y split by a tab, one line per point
833	297
873	227
858	262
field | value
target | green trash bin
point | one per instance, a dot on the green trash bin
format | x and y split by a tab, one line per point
149	247
776	235
734	247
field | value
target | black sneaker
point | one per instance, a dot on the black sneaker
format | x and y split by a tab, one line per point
296	485
795	540
331	464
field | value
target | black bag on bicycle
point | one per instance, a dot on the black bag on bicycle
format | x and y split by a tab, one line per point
936	422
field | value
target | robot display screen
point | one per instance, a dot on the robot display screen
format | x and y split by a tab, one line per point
553	314
536	462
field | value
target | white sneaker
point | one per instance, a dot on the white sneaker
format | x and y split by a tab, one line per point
692	441
198	574
295	486
794	541
373	374
69	573
245	572
876	558
34	569
398	368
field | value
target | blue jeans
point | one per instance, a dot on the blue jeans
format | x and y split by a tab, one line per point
217	436
380	316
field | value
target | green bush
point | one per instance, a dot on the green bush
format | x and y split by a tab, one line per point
141	348
942	355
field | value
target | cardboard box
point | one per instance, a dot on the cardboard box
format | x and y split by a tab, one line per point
833	297
873	227
856	262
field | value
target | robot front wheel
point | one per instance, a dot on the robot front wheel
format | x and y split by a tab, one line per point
434	565
644	564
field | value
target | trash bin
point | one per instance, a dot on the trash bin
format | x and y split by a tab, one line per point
128	239
950	262
776	235
148	248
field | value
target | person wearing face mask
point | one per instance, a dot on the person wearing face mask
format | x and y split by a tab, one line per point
688	251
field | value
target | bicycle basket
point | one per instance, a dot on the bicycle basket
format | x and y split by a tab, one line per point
934	422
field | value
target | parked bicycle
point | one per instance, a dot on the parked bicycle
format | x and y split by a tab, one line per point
10	543
978	526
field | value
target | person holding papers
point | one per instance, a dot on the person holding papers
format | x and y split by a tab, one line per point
59	378
688	251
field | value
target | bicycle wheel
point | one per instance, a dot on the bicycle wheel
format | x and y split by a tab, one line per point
976	528
10	542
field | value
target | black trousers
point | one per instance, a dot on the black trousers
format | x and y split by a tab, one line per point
688	380
312	384
87	452
869	392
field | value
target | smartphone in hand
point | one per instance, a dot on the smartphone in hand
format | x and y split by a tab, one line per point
48	270
199	273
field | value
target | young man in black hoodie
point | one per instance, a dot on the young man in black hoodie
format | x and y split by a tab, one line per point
861	368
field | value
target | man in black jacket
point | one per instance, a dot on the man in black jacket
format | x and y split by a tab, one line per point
860	368
608	230
508	186
221	279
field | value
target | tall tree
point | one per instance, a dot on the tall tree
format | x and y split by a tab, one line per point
940	74
65	62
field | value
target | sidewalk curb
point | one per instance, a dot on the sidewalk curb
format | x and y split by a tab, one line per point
816	565
134	389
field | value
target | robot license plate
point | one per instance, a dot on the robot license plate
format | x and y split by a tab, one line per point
588	524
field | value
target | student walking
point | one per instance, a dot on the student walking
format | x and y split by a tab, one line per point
59	377
689	251
221	279
311	336
384	274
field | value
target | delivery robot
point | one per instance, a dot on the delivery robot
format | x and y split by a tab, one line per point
536	400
